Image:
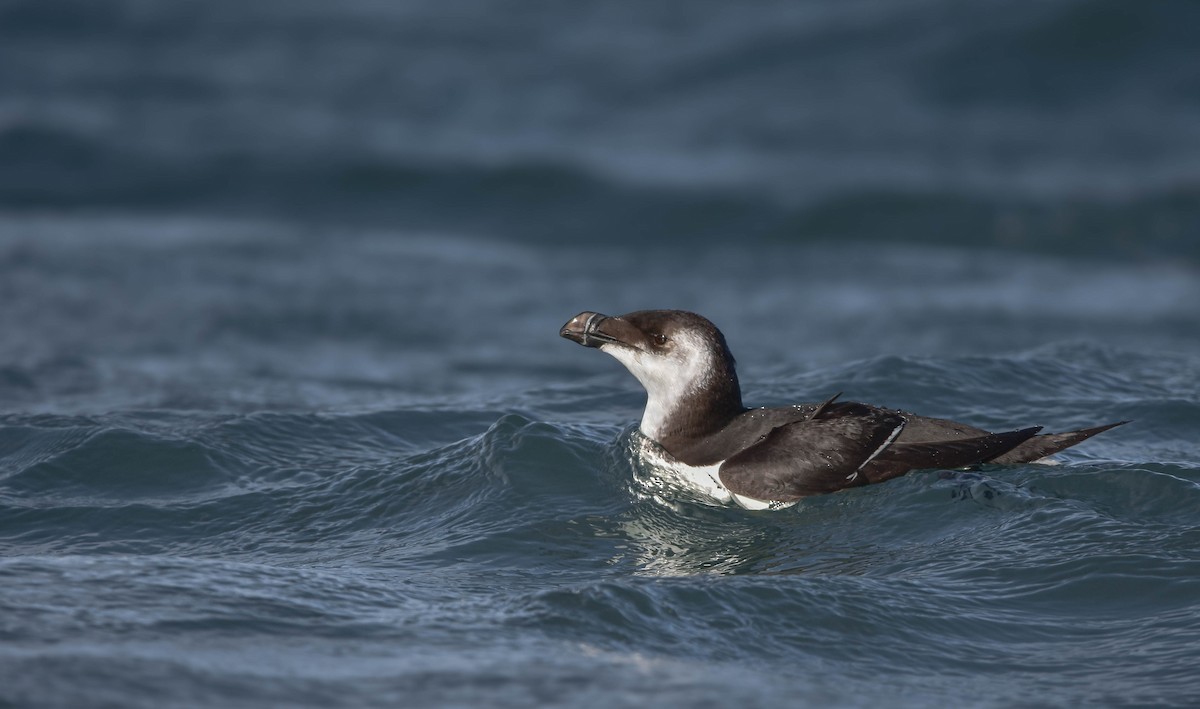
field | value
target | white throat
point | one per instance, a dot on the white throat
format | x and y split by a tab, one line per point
669	378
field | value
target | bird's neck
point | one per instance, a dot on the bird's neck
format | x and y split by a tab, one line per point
696	412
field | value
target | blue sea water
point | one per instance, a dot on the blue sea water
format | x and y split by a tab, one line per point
285	419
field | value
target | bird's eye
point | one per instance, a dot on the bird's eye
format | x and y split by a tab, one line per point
660	339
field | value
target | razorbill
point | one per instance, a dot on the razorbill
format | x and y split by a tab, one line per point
773	457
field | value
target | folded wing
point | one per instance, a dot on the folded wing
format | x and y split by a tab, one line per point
899	458
812	457
846	445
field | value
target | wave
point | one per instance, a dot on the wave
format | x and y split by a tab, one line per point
1068	54
370	482
533	539
70	172
1064	127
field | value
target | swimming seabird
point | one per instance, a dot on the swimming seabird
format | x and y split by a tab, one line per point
772	457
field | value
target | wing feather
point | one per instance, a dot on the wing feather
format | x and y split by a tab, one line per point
900	458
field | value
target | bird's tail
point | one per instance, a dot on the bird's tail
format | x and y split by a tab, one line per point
1046	444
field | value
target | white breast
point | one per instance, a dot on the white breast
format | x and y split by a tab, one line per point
702	479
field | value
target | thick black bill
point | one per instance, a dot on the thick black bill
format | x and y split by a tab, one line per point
582	329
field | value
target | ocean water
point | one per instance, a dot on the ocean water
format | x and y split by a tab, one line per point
285	419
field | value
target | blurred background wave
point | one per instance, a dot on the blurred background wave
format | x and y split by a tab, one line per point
1063	126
